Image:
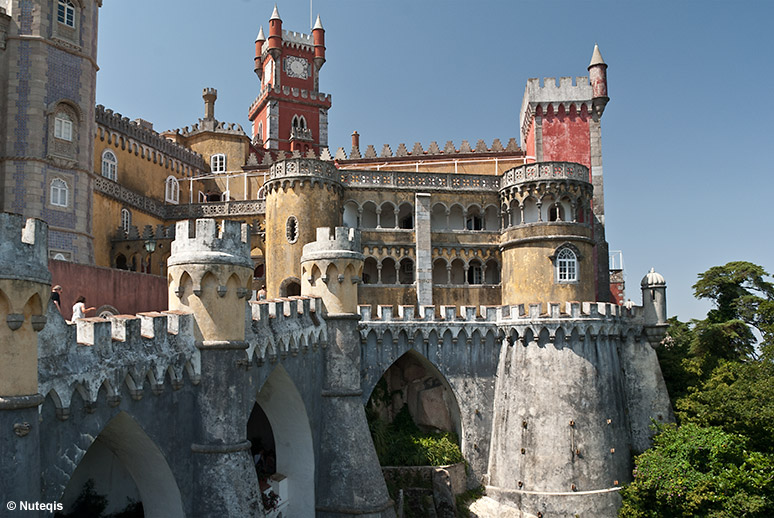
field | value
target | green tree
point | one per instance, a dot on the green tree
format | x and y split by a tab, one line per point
719	461
700	471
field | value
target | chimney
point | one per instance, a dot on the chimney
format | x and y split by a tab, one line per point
209	95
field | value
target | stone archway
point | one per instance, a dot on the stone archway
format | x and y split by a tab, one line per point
123	461
290	287
414	381
281	402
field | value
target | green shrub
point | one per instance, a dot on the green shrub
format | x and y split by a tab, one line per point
403	443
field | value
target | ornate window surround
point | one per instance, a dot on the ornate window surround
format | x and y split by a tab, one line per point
59	193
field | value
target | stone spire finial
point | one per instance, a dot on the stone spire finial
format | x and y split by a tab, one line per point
596	57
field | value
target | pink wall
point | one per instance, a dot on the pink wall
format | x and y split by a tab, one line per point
566	136
129	292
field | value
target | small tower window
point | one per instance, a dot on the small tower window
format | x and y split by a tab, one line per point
291	229
109	165
126	220
63	127
218	163
172	190
59	192
566	266
66	13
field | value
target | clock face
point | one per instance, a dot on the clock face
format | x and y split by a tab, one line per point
297	67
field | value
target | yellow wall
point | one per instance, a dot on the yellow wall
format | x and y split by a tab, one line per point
313	206
528	272
141	174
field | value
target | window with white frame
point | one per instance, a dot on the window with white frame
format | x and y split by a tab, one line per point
109	165
66	13
218	163
126	219
566	266
59	192
172	191
63	127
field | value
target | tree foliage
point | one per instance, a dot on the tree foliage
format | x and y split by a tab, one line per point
718	461
700	471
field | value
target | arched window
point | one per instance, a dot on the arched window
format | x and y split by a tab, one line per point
126	219
59	192
566	266
259	135
299	122
109	165
172	191
66	13
63	127
218	163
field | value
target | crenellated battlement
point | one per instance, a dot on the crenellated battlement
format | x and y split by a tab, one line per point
285	326
574	94
97	353
342	239
209	241
501	314
23	248
566	89
120	124
549	320
464	150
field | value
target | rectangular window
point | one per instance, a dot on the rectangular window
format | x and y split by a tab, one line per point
66	13
63	129
218	163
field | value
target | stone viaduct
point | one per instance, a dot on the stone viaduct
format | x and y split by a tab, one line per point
549	401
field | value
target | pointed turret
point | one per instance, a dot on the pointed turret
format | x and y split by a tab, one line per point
259	41
318	33
275	33
598	79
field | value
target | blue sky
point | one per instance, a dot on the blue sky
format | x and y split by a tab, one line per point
687	135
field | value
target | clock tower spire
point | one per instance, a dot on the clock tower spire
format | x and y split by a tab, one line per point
290	113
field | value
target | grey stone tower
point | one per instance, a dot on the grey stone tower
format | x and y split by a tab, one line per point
209	271
48	70
24	293
351	482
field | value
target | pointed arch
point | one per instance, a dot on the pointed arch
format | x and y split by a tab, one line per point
125	440
282	403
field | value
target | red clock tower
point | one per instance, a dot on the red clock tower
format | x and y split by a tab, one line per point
290	114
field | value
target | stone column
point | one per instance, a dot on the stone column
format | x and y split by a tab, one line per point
350	481
424	250
210	275
24	296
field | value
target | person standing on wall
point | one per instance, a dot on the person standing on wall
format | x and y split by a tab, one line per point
56	292
80	309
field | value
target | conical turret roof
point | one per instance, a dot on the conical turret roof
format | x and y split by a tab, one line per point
261	36
318	24
275	15
596	57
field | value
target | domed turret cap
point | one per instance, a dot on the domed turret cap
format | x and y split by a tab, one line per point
653	279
